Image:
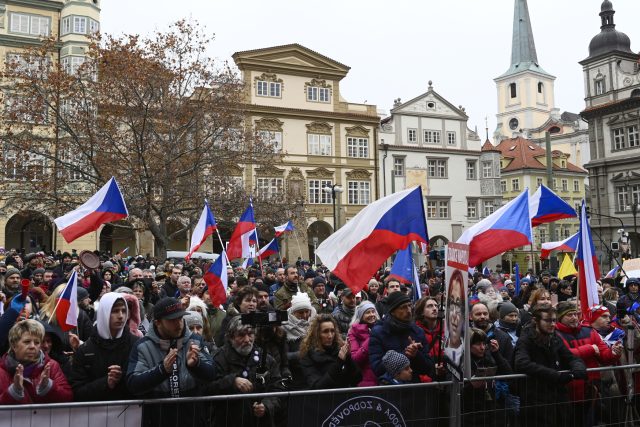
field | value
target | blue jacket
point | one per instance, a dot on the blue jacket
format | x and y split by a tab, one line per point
386	336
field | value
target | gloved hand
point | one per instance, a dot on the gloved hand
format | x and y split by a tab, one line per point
579	375
18	302
565	377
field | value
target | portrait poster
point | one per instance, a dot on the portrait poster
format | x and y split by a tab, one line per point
456	350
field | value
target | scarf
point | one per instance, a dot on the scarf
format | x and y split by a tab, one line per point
11	364
295	328
511	327
398	325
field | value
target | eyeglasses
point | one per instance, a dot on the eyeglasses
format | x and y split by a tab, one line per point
551	320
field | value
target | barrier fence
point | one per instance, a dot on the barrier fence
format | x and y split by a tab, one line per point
608	398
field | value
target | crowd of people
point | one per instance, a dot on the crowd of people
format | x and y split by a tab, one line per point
148	329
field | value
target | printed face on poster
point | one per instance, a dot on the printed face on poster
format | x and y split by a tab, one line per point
456	350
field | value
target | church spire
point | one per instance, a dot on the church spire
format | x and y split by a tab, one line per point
523	47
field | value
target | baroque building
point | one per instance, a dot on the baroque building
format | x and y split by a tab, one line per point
293	99
612	96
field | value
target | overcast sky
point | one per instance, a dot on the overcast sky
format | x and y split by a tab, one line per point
395	47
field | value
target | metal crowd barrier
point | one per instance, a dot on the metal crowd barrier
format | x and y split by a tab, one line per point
509	401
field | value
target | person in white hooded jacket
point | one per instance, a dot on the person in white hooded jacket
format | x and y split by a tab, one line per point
100	364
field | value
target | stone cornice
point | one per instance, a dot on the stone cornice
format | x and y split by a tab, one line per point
9	40
428	150
38	4
310	114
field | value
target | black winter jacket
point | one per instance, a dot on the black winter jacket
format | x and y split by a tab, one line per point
323	369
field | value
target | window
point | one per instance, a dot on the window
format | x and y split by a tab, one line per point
540	86
21	165
431	136
599	87
31	25
512	90
451	138
542	232
437	168
472	209
558	233
270	89
632	132
316	193
319	145
398	166
566	232
269	188
413	136
618	139
80	25
576	185
358	192
503	186
471	169
272	138
489	207
565	184
71	64
318	94
635	193
555	184
539	181
487	170
515	184
22	64
438	209
94	26
66	25
622	197
16	109
358	147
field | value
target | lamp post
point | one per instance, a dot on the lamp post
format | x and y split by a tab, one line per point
634	211
334	189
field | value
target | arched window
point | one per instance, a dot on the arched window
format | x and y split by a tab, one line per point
554	129
540	87
512	89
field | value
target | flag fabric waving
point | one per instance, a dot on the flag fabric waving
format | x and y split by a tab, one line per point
281	229
567	245
271	249
204	228
66	310
356	251
567	268
417	291
106	205
239	245
216	280
507	228
402	268
546	206
612	273
486	271
588	269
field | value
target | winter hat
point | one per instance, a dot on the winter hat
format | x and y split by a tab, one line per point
107	265
360	310
261	287
38	271
483	285
310	274
11	271
505	308
564	308
394	362
193	318
396	299
82	293
597	311
300	301
319	280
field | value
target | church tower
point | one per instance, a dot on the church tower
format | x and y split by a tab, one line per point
525	90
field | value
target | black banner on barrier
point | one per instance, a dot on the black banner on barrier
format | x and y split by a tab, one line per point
401	408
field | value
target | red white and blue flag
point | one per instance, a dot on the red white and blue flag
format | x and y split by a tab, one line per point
507	228
239	244
612	273
271	249
356	251
66	310
402	268
204	228
546	206
588	269
567	245
281	229
106	205
216	280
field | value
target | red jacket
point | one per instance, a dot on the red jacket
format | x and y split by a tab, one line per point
59	392
434	339
358	337
580	341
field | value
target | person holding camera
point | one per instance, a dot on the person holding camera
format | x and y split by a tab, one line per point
325	303
242	368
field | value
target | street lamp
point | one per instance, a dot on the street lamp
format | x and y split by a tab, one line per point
634	211
334	189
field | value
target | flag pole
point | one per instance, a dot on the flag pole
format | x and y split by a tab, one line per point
224	250
298	242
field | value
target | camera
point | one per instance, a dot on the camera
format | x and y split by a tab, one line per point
264	318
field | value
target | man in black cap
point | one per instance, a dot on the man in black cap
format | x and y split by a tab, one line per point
84	303
344	311
398	332
319	290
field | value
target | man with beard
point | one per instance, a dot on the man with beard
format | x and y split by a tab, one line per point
343	313
12	280
279	282
509	320
480	319
290	288
320	291
241	367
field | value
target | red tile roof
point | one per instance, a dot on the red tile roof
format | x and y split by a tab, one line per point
524	154
488	146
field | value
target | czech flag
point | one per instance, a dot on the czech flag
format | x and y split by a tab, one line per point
402	268
588	269
106	205
546	206
239	245
253	238
356	251
281	229
216	280
567	245
66	310
612	273
204	228
271	249
507	228
486	271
